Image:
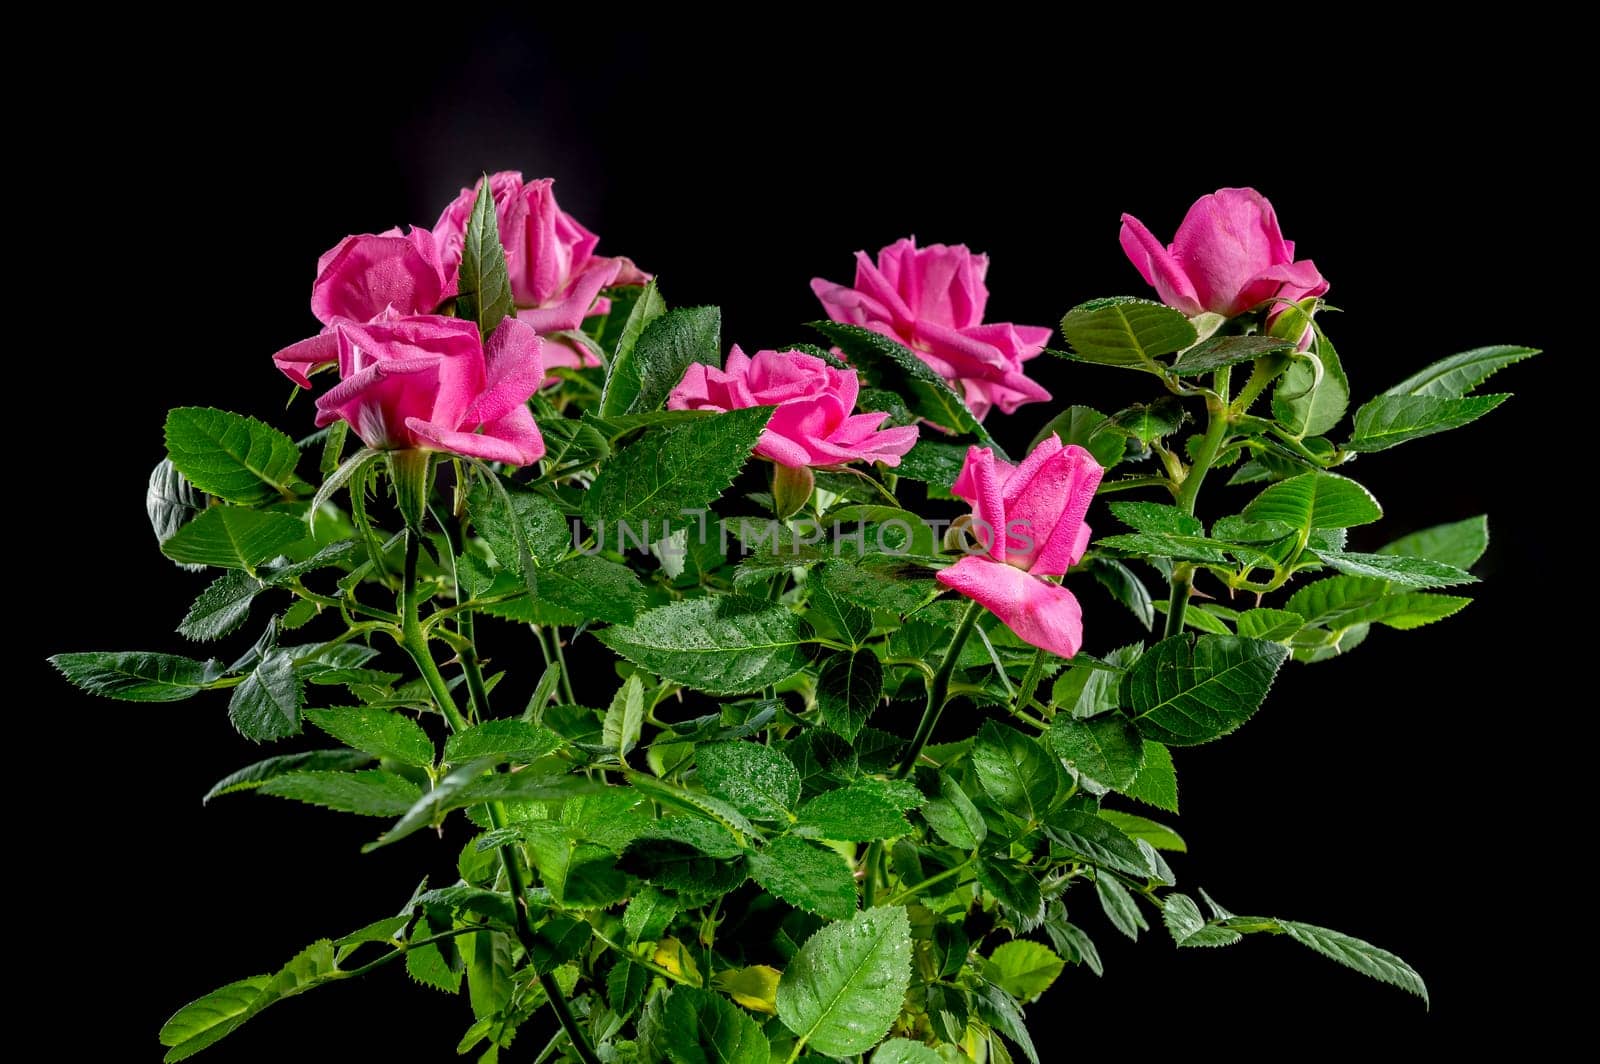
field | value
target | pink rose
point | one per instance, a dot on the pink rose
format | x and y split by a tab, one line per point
1029	519
932	300
368	276
813	425
429	382
1227	257
364	276
556	277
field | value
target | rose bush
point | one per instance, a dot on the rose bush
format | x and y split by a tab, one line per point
713	807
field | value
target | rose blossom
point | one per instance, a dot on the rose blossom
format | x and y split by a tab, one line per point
367	276
1029	519
813	425
932	300
429	382
1228	256
556	278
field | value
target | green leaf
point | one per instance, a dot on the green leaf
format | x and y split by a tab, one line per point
170	502
624	719
702	805
1344	602
1164	545
1124	331
724	645
638	380
518	522
204	1022
267	704
1148	422
808	877
1015	771
1126	587
253	776
222	607
934	463
370	793
648	915
1098	841
231	456
700	1027
857	813
499	741
1137	827
1394	419
645	307
1457	375
883	583
1189	928
1220	351
845	988
1084	426
1106	748
233	538
1119	906
1315	500
1276	625
848	688
682	869
467	786
1023	969
1186	691
905	1051
953	816
1460	543
897	367
378	732
1397	569
136	676
208	1019
999	1009
1157	517
648	486
1364	957
755	779
484	293
593	588
852	622
1309	403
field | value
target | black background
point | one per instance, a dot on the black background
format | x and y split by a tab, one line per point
1390	794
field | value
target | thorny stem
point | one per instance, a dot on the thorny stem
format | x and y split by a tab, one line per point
415	641
1217	422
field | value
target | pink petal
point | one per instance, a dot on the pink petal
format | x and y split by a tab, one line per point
514	439
573	306
1041	613
1226	239
298	360
513	372
981	483
1157	266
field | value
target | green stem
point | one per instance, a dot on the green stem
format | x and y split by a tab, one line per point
415	641
408	947
561	660
1210	443
1265	372
913	891
1216	434
1178	604
938	691
1130	483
